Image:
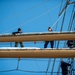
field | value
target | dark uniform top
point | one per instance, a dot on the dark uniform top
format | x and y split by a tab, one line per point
70	43
64	67
16	33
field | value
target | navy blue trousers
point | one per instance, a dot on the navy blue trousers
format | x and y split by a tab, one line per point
47	42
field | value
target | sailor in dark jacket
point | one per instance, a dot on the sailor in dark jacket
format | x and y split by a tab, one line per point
51	42
64	67
70	43
16	33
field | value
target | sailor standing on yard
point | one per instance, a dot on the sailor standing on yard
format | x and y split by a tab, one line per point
51	42
16	33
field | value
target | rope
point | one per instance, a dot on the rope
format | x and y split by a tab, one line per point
37	65
53	66
48	66
8	70
67	2
48	14
59	67
64	10
33	18
70	23
26	71
15	13
62	21
23	12
18	63
58	18
59	12
71	18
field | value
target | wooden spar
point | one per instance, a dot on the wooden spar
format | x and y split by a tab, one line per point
31	53
38	37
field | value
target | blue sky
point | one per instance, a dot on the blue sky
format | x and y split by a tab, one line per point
31	16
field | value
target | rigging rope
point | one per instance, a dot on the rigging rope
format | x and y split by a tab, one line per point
23	12
58	18
15	13
26	71
53	66
18	63
8	70
33	18
70	22
66	6
61	29
48	66
37	65
71	18
48	14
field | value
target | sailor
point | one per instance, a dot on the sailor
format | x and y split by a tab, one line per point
16	33
47	42
70	43
64	67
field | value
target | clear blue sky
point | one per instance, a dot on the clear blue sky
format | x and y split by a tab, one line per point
31	16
